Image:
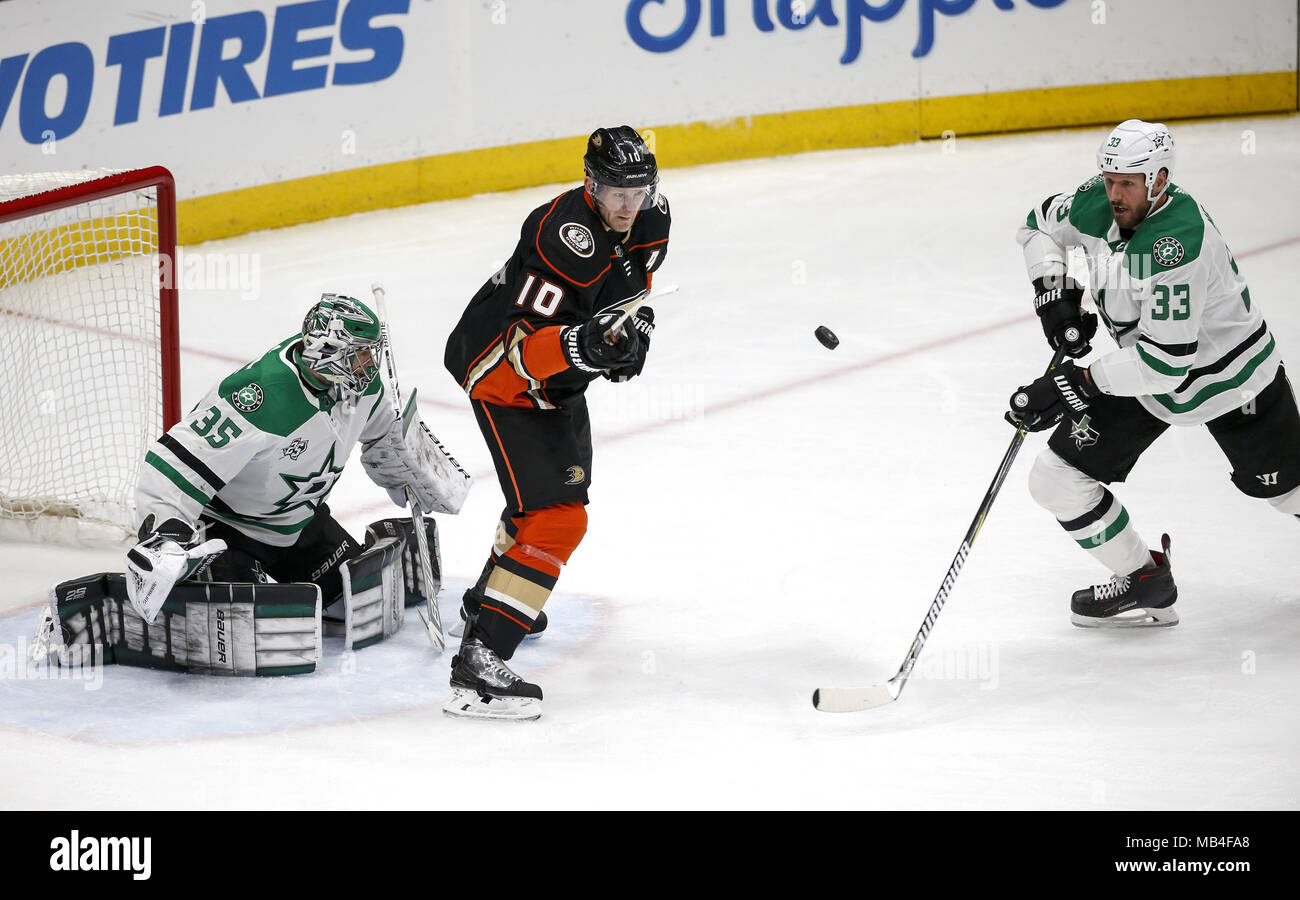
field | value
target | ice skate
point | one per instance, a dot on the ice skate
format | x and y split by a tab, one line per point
484	687
1141	599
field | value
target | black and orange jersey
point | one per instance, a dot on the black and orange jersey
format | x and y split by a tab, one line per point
506	349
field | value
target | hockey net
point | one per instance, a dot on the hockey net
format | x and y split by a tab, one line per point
89	342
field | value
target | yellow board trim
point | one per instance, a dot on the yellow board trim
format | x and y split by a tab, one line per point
63	248
451	175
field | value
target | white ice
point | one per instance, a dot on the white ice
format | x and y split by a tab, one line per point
767	517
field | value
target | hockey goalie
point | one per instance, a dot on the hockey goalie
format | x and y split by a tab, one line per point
239	562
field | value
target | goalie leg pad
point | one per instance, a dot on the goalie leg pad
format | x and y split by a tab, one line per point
404	530
374	593
215	628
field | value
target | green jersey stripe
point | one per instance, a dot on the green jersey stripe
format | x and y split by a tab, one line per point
176	478
293	528
1160	366
1213	390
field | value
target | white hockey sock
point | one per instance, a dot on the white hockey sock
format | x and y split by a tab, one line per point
1089	513
1106	532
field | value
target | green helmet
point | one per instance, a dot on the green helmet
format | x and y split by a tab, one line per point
335	334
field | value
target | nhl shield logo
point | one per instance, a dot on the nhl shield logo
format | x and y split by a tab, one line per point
1083	433
578	239
577	475
1168	251
247	399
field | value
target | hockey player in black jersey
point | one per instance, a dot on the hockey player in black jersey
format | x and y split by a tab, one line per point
534	336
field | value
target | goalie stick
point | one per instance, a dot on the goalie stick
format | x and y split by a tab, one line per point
855	699
433	624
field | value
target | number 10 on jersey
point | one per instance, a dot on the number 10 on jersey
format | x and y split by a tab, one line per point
548	296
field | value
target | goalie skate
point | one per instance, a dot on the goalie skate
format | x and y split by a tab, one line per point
484	687
1141	599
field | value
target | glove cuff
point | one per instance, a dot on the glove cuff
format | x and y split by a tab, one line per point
573	350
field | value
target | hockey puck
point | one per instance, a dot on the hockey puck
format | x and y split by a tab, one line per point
827	337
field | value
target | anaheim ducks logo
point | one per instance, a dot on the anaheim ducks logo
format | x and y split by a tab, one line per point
577	475
578	239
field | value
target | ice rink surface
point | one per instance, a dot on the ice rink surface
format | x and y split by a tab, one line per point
767	517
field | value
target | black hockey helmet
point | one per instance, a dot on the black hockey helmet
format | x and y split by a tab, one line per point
619	158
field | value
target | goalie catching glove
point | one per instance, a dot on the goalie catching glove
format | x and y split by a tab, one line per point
165	555
409	456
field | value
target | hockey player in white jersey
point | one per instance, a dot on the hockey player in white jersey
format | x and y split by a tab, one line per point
239	486
1193	348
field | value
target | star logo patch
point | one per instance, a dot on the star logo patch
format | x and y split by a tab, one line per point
312	489
1083	433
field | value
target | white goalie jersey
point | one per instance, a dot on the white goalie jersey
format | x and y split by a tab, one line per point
260	452
1192	343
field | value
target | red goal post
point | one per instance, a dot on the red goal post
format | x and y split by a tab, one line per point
89	339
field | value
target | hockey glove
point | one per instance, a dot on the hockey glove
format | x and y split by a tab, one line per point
164	556
416	460
1041	404
596	347
644	322
1058	300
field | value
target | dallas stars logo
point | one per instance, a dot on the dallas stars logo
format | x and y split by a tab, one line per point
1168	251
309	490
1083	433
247	399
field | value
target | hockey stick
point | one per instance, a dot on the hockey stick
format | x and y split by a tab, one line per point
433	624
854	699
630	306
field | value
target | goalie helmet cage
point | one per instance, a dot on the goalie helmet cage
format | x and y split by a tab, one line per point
89	338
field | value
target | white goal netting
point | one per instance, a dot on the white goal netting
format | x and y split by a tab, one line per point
81	339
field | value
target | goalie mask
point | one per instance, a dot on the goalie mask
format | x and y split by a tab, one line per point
341	342
618	160
1137	146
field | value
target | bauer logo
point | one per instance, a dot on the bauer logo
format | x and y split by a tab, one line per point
102	854
1168	251
249	399
578	239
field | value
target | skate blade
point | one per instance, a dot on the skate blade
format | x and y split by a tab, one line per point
1147	618
466	703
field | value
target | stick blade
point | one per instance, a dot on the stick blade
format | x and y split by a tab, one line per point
854	699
